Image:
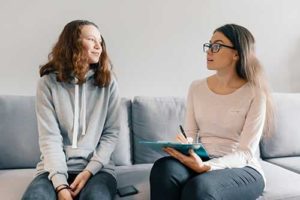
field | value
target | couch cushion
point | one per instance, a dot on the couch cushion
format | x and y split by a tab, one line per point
18	130
284	141
281	183
153	119
291	163
122	153
136	175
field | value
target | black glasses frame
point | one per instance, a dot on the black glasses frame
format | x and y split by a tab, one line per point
214	47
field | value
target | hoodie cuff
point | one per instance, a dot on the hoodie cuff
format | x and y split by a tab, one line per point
59	179
94	167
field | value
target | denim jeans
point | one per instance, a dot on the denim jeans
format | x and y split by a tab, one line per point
100	186
171	180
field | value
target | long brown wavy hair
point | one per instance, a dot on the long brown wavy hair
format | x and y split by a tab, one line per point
67	58
248	66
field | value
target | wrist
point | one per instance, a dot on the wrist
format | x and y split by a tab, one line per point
207	167
87	173
62	187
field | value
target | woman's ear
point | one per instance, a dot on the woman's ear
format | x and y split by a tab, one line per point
236	56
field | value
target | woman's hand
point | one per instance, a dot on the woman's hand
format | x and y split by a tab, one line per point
64	194
180	138
193	161
80	182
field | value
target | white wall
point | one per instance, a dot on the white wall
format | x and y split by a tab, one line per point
155	45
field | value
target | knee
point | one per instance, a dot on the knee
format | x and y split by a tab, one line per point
39	194
162	168
100	193
199	188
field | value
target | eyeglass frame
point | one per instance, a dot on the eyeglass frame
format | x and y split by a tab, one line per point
209	45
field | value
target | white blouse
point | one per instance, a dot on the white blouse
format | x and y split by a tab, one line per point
229	126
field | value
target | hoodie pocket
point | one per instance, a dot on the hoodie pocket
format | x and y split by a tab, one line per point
78	153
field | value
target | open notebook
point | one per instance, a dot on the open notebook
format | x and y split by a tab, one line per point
183	148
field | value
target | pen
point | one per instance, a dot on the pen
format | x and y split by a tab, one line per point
182	131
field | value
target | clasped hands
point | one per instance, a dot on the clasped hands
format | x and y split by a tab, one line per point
192	161
68	193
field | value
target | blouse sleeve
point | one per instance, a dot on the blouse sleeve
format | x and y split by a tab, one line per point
191	126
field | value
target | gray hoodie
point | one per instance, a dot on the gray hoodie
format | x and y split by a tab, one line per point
78	126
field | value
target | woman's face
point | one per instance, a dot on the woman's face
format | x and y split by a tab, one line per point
91	42
225	57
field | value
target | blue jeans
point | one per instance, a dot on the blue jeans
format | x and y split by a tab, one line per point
100	186
171	180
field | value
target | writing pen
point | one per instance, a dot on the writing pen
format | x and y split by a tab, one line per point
182	131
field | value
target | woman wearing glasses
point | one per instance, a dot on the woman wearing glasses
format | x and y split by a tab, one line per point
229	111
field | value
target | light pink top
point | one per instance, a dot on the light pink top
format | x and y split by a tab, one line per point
230	126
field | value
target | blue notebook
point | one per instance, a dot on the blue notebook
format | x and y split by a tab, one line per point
183	148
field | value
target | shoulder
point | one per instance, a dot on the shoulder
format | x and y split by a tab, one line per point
113	86
197	84
47	80
255	92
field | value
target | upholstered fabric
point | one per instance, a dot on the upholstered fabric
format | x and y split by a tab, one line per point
122	153
291	163
155	119
18	130
284	141
281	183
152	118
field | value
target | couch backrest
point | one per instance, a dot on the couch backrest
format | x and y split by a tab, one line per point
18	130
19	136
285	139
153	119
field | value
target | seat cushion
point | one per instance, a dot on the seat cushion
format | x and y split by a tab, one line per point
281	183
153	119
136	175
14	182
18	129
284	141
291	163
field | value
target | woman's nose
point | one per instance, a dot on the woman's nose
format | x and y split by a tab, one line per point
97	45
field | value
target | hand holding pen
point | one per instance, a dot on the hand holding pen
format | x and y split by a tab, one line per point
183	137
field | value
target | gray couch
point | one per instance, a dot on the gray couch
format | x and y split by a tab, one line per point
145	118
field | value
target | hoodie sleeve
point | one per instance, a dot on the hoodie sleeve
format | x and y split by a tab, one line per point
50	139
110	133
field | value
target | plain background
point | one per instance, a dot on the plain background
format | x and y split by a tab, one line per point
155	45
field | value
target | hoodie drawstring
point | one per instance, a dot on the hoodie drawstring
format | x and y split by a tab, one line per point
83	110
82	118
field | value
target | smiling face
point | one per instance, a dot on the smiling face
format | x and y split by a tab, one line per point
91	42
225	58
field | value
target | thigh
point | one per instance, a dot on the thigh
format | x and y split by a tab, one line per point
167	177
237	183
168	168
41	188
100	186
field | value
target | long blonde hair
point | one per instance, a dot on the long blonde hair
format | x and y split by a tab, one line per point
248	66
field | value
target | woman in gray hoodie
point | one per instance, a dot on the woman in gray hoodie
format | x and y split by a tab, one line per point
77	109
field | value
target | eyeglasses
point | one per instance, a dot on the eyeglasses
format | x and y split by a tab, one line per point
215	47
